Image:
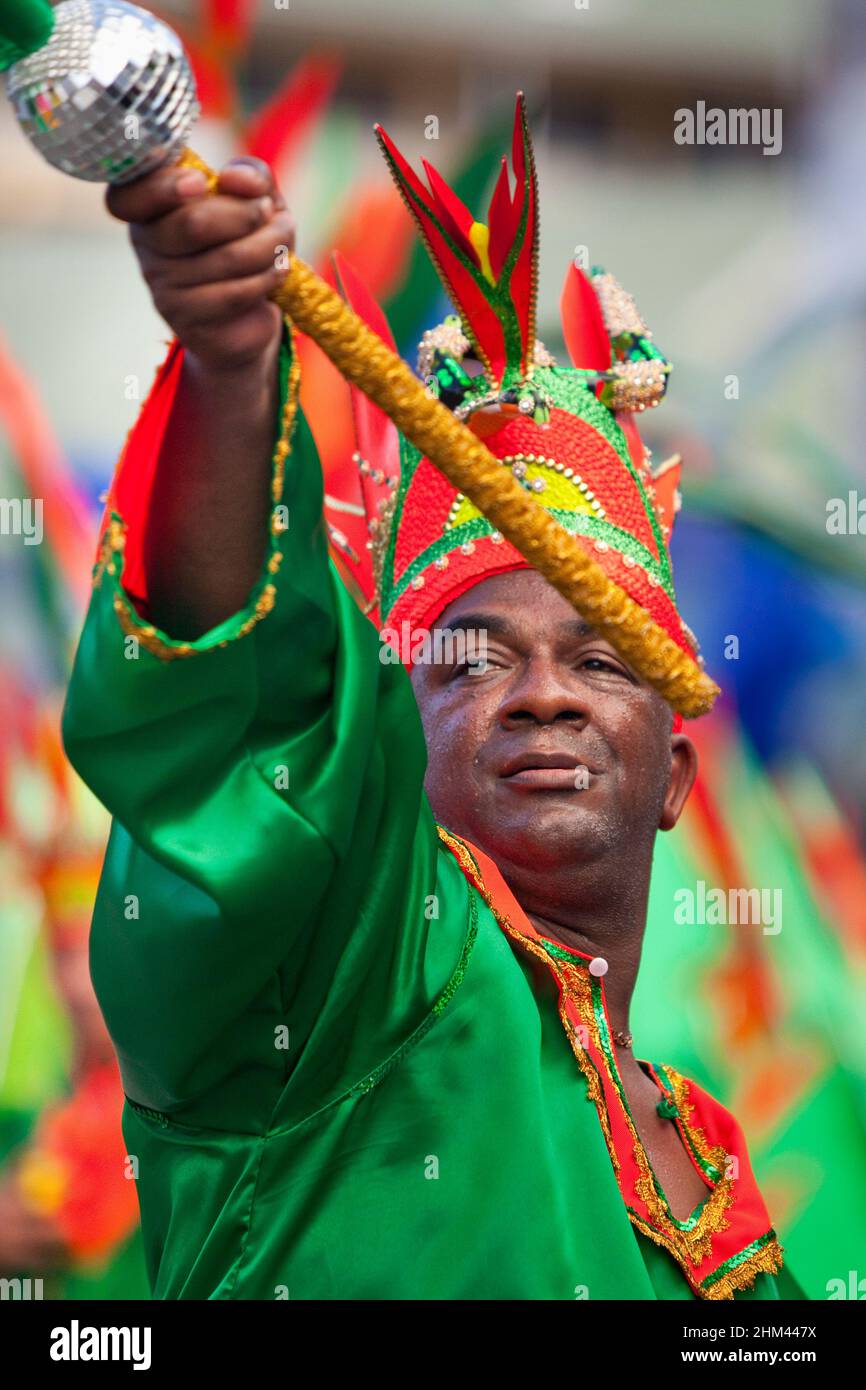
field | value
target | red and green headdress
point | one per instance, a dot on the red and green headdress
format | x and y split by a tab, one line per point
567	433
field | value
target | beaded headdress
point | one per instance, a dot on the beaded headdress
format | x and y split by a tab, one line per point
567	433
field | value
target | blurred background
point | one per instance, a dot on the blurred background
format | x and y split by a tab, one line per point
750	269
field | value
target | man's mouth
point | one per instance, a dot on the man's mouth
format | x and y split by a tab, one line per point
548	772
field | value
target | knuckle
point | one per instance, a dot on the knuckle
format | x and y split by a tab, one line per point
156	277
253	215
195	222
139	238
165	302
153	266
118	205
172	299
228	262
288	230
238	296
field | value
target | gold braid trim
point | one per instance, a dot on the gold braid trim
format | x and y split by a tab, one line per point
114	541
669	1243
765	1261
716	1154
151	639
362	357
112	544
190	160
688	1248
696	1244
594	1088
469	466
380	537
578	991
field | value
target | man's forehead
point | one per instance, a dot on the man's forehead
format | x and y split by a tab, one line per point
515	603
512	620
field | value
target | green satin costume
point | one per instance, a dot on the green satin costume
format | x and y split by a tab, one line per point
342	1080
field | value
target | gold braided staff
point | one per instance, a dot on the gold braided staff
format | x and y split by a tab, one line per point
364	360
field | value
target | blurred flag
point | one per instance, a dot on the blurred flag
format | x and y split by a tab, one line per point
767	1014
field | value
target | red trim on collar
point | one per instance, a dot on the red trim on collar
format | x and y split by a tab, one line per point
714	1248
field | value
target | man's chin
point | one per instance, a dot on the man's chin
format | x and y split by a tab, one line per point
540	830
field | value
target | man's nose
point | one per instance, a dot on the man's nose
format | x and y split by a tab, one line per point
543	694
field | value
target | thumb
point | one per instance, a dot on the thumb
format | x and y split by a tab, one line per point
246	176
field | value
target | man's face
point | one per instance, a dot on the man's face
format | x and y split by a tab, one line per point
554	747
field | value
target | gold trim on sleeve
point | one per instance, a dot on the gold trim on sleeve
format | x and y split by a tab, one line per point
114	542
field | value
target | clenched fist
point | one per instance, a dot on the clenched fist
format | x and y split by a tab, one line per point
210	261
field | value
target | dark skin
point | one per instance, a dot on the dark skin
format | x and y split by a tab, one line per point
504	743
577	862
210	263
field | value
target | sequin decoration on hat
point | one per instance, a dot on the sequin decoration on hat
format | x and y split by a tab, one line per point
566	433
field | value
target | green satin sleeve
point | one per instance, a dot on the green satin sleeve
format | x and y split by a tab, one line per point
260	929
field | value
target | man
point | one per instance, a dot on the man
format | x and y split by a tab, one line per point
363	1057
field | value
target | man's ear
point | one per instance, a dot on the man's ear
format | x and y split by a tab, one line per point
684	770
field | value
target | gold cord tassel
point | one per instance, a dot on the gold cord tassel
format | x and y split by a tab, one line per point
365	361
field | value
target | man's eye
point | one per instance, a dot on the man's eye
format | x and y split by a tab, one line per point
598	663
473	666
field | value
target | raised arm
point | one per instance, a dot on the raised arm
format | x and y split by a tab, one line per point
210	262
272	855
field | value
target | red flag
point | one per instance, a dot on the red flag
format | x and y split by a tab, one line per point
276	131
228	21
